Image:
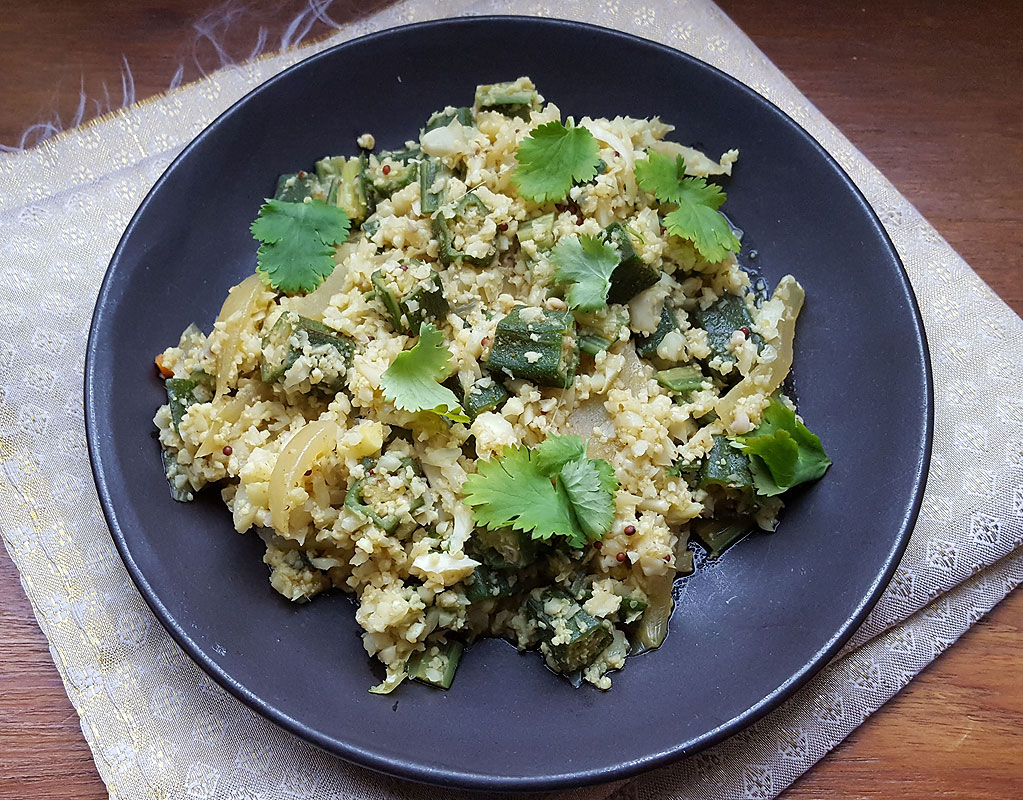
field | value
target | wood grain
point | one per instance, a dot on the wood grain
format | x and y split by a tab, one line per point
931	92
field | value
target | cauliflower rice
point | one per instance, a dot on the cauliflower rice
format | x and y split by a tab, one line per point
281	406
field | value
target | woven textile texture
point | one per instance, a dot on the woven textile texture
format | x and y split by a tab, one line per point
159	728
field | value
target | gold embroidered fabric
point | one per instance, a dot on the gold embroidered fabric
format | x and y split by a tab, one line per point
159	728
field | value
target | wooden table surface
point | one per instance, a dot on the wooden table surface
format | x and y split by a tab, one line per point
931	92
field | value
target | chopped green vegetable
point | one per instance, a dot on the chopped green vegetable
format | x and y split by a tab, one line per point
536	345
725	466
571	638
436	664
721	320
717	535
632	275
441	119
539	230
646	346
412	382
296	187
782	451
682	380
552	158
280	351
298	241
468	214
179	397
511	99
696	218
593	343
586	263
433	181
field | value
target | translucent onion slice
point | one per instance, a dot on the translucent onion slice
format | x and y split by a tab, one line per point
227	415
313	441
235	314
766	378
653	626
314	303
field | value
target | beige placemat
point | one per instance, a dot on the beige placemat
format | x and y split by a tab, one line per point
159	728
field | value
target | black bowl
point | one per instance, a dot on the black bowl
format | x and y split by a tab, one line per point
747	631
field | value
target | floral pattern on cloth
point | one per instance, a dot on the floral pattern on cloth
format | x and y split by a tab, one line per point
160	728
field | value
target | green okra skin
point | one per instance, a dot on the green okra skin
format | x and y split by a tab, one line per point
350	193
479	399
487	583
682	380
505	548
506	98
717	535
632	275
443	230
543	351
441	119
539	230
278	355
295	187
424	302
593	343
725	466
179	396
436	665
587	636
646	346
721	320
432	171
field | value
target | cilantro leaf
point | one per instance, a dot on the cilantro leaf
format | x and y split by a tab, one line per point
586	263
782	451
412	380
552	158
661	176
696	218
593	505
551	490
511	491
556	451
298	239
705	228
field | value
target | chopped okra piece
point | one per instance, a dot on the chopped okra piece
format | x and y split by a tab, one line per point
321	354
570	638
513	98
373	497
296	187
725	466
180	396
539	230
348	173
433	181
721	320
371	226
411	292
392	170
436	664
682	380
646	346
180	488
536	345
487	583
440	119
505	548
484	394
632	275
456	225
593	343
717	535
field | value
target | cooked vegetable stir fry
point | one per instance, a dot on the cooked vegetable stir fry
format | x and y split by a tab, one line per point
494	383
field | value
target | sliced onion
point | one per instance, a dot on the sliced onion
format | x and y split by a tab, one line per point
766	378
653	626
228	415
235	313
314	303
313	441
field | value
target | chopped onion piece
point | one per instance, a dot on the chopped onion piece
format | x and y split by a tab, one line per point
312	441
235	314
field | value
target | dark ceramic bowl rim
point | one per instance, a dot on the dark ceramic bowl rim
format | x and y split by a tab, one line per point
414	770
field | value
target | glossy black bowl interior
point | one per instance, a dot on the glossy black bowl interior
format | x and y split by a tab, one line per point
746	632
